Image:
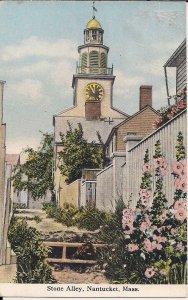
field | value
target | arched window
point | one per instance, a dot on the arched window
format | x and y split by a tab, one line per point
84	62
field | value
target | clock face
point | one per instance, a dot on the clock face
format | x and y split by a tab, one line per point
93	91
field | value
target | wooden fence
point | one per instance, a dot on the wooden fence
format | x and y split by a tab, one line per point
132	171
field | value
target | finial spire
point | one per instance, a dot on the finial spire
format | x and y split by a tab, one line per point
94	9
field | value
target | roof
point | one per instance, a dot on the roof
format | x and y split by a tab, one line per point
178	56
130	118
93	24
90	128
12	159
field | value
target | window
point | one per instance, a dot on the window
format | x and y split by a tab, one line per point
84	62
94	59
103	63
94	35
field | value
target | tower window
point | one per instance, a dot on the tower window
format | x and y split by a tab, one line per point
87	36
84	60
94	35
94	59
103	60
103	63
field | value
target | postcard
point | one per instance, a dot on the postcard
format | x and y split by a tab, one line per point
93	149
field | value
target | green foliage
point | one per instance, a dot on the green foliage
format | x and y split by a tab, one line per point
180	153
31	254
90	218
19	205
78	154
35	175
146	182
159	199
149	246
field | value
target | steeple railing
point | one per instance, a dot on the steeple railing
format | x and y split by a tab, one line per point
94	70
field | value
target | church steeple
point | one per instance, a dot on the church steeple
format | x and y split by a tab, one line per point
93	55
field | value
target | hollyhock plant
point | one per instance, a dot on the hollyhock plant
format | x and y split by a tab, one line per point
145	193
159	199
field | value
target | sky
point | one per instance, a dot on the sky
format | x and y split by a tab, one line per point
38	47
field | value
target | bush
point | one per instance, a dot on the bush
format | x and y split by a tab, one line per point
31	254
90	218
19	206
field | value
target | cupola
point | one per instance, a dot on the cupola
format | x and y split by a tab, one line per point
93	34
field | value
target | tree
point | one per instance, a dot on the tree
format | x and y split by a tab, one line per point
35	175
78	154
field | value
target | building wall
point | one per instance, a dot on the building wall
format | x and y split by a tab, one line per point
7	214
141	124
70	193
181	75
132	171
106	110
2	184
38	203
104	189
2	171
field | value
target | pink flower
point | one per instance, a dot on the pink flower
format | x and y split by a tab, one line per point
145	196
178	168
127	223
180	204
180	246
159	239
148	245
147	220
149	272
163	216
143	226
156	245
163	171
163	272
162	239
130	230
132	247
128	216
181	183
146	168
181	214
173	231
160	162
145	202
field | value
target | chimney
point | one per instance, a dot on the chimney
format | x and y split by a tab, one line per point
92	110
145	96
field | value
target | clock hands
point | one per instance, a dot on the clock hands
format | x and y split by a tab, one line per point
94	92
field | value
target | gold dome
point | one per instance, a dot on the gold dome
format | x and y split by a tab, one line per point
93	24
